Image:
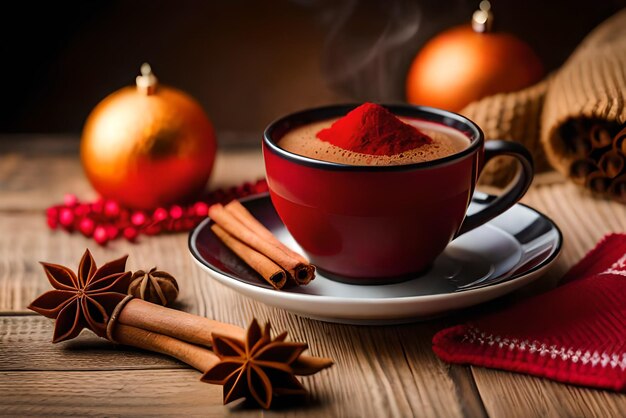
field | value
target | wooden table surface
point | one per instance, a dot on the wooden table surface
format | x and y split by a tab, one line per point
379	371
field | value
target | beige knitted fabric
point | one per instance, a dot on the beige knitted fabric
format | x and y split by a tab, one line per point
557	118
513	117
584	103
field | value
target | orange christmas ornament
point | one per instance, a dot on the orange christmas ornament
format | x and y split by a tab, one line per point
467	63
148	146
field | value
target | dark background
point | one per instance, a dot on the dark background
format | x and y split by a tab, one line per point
247	62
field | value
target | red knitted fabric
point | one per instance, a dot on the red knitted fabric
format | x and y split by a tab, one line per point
575	333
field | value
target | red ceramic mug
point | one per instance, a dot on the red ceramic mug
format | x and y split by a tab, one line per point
380	224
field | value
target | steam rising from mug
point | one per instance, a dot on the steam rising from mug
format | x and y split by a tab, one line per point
362	52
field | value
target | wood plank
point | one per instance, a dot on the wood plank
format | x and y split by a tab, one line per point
390	371
137	392
30	180
34	182
582	217
141	393
387	371
382	371
25	344
467	392
515	395
26	240
379	371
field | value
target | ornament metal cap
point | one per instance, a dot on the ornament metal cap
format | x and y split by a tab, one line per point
147	81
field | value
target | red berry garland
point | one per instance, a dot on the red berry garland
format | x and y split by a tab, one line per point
105	220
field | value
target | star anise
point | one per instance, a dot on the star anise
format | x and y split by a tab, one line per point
86	300
258	368
154	286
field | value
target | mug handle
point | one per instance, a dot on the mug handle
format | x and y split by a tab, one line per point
513	193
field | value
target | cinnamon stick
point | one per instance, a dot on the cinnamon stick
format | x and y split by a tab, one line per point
300	271
241	213
197	330
308	365
580	146
618	188
304	272
174	323
619	141
611	163
199	358
598	182
581	169
270	271
600	136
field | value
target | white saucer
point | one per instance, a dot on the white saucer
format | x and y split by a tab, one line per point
507	252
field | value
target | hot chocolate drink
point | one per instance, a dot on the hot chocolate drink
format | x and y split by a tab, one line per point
378	223
303	141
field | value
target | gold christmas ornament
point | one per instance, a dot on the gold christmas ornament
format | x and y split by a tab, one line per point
469	62
148	145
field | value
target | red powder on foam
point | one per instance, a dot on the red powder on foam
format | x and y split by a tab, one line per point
372	129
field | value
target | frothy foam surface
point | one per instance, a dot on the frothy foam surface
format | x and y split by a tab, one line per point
302	141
